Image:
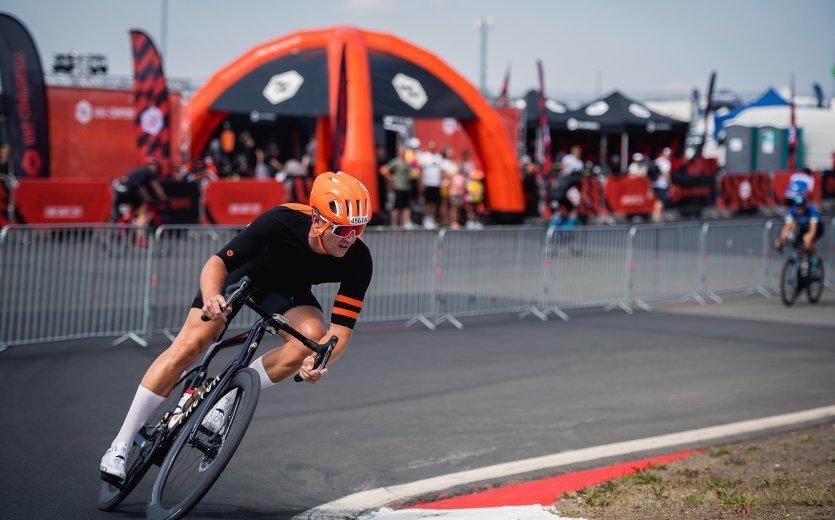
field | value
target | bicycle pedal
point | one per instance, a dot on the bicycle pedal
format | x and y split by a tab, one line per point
113	480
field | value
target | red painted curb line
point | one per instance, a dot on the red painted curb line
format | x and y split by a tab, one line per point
548	490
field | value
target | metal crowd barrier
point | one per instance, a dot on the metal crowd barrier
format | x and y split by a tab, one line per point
67	282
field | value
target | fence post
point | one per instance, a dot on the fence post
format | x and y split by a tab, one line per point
543	294
625	303
439	274
434	305
765	287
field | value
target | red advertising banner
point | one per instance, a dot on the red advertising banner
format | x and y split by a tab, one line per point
744	191
780	181
78	201
239	202
92	132
629	195
595	196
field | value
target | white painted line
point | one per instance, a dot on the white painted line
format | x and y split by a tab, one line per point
493	513
377	498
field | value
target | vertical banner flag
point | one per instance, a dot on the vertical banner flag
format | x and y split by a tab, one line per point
792	130
23	100
692	140
341	116
545	130
503	99
150	101
700	144
543	123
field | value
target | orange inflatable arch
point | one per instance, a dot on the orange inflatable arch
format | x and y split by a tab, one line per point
482	123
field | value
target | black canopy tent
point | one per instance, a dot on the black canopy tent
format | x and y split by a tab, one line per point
618	114
528	105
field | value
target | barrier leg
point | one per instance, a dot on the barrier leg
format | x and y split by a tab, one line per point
421	319
133	337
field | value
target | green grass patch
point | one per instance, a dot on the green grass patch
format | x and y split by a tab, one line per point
721	452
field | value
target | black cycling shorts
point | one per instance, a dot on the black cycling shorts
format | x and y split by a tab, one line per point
802	230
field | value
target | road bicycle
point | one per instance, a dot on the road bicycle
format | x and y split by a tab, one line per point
798	275
192	456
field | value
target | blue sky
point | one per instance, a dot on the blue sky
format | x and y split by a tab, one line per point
643	47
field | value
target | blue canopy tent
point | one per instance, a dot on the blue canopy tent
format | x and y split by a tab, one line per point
768	98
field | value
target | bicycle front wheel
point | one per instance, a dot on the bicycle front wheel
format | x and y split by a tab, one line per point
195	462
814	289
789	282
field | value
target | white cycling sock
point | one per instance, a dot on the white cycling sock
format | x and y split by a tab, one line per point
258	365
144	404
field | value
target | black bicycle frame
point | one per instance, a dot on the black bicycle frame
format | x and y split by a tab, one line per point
251	339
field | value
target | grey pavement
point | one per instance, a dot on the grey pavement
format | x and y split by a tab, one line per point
407	404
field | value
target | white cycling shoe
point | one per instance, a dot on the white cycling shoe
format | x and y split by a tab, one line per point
113	463
216	419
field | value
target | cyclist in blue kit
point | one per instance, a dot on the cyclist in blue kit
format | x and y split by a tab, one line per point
284	251
802	219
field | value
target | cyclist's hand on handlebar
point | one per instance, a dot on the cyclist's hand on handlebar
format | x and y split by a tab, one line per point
215	308
310	374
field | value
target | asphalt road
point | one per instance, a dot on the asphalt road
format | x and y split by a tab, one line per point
404	405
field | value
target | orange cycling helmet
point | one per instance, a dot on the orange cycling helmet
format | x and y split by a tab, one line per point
341	199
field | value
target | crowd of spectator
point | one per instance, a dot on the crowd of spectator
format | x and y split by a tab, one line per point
431	188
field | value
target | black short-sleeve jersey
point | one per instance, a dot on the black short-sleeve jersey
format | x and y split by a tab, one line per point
274	251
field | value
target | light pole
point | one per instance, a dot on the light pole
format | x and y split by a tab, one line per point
164	30
484	24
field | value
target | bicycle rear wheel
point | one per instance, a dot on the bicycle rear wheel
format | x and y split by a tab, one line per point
789	282
194	463
814	288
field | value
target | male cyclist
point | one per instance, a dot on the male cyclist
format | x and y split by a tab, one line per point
139	185
803	219
284	251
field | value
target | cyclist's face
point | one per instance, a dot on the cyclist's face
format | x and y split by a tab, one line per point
336	246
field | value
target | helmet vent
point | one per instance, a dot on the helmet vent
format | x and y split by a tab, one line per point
334	207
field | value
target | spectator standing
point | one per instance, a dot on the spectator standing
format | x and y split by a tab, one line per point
398	174
430	167
448	170
530	187
638	167
384	192
457	194
6	160
572	161
273	160
261	170
475	198
659	175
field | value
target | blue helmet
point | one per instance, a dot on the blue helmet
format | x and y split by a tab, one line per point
797	188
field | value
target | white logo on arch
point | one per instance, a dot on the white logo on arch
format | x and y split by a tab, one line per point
410	91
282	87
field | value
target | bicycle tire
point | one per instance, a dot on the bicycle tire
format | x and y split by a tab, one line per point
172	497
789	282
814	288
